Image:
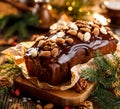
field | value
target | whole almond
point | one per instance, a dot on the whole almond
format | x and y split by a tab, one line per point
60	40
85	29
96	31
54	52
80	35
96	26
72	32
45	53
69	40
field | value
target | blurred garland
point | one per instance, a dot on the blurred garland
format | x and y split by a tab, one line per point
76	9
12	25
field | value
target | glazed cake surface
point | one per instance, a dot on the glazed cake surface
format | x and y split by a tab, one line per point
65	45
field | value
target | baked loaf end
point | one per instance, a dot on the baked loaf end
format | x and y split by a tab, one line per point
65	45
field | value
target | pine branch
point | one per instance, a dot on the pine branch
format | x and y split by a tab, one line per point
107	76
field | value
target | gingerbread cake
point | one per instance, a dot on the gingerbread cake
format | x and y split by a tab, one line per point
65	45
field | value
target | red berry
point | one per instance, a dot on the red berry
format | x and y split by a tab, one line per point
17	92
14	44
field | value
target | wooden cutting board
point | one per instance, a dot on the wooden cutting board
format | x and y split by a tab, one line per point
61	98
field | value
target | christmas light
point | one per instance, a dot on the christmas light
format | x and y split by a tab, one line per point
70	8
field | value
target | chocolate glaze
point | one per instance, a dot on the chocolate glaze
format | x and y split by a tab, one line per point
67	53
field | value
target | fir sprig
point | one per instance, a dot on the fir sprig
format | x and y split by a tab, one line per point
106	73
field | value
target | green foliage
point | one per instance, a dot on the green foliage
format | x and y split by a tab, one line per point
3	90
104	75
9	69
19	24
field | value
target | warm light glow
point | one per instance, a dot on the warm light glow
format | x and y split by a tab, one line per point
49	7
36	0
73	3
67	3
80	10
70	8
100	18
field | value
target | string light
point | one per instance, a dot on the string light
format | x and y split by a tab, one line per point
70	8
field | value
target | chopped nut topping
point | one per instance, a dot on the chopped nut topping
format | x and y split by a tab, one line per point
96	31
110	33
40	38
54	26
73	26
72	32
85	29
91	23
69	40
45	53
60	40
60	34
96	26
80	35
103	30
33	52
54	52
87	36
41	43
53	31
